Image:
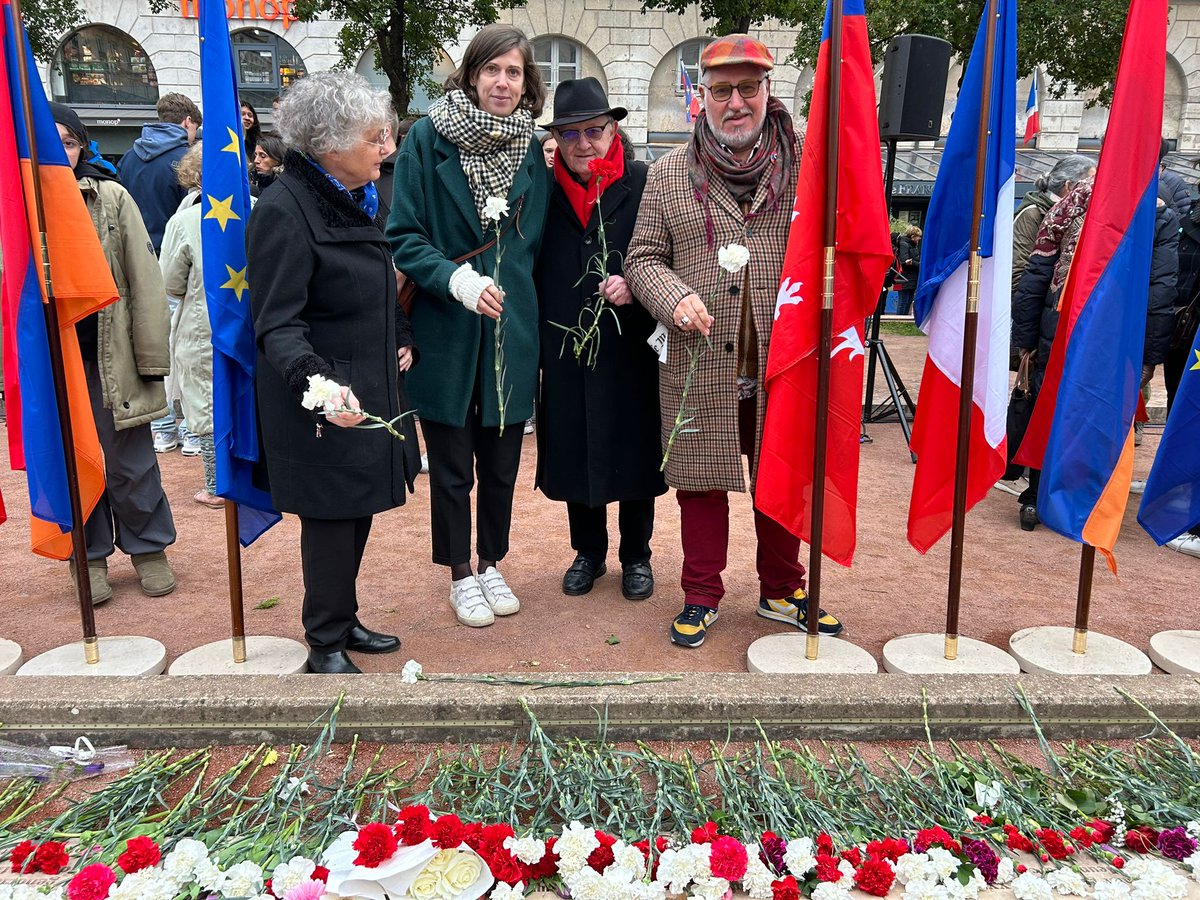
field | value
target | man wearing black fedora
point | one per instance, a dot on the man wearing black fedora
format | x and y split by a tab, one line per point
598	426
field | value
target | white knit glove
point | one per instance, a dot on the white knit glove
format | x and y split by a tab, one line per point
466	285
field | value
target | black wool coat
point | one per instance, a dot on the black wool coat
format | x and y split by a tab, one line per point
598	429
323	293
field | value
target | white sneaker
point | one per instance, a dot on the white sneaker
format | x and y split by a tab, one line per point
1016	487
165	441
1137	487
191	445
529	426
1186	543
469	604
499	595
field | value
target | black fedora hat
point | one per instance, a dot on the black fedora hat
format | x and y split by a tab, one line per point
580	99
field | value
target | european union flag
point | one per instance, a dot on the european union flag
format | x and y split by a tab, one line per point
226	206
1171	504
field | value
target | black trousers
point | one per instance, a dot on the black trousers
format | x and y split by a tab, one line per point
589	530
331	551
457	456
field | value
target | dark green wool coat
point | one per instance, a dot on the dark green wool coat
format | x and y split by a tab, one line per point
433	221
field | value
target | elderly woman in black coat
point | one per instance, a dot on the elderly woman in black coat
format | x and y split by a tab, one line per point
598	417
324	300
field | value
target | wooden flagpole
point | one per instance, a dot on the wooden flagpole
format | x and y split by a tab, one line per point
91	644
1083	600
233	553
970	335
825	351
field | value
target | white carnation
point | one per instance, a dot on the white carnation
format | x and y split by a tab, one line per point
799	858
1031	886
528	850
847	879
1006	871
709	888
208	875
915	867
183	860
241	880
411	674
944	863
1111	889
626	856
585	884
494	208
732	258
758	878
988	796
1193	863
503	891
828	890
1067	881
573	847
679	868
1158	881
146	884
291	873
322	392
923	889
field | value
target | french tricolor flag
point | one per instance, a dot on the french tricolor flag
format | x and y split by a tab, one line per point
691	103
1032	126
942	290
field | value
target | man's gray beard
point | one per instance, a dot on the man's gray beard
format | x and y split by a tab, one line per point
738	142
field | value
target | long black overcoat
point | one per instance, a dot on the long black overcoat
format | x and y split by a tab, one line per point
323	293
598	429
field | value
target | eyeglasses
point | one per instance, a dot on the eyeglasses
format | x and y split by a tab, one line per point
593	134
723	91
384	141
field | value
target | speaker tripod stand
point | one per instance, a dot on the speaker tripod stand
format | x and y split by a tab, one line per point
901	403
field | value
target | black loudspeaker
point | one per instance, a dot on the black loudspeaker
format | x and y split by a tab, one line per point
915	67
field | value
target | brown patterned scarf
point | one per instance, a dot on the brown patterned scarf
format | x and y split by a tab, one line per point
1060	231
772	159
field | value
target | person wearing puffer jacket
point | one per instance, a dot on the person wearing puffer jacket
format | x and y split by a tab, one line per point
1035	302
125	358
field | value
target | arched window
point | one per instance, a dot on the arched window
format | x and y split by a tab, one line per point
266	65
420	101
100	65
689	61
558	58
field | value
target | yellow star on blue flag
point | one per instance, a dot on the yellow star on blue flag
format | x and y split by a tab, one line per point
235	142
221	210
237	281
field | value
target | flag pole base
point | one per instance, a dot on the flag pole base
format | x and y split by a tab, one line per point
91	651
926	654
812	647
11	656
786	654
950	648
1050	650
1079	641
1176	652
123	655
262	655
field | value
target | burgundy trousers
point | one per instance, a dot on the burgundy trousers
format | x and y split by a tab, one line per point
704	528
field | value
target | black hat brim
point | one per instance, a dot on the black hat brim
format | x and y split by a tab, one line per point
617	112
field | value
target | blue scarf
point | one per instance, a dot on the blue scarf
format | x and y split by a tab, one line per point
367	196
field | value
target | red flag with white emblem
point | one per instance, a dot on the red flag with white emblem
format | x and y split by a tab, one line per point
864	252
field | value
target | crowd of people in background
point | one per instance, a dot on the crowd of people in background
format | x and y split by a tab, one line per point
440	264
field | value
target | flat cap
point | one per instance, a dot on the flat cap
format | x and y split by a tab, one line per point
735	49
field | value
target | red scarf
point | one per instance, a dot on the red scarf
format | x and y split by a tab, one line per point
583	199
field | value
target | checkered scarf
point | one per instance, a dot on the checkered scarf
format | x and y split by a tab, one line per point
490	147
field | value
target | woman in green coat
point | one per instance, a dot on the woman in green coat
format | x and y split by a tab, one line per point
473	151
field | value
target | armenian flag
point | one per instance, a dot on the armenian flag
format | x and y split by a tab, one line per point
1081	432
1171	503
864	252
942	291
226	206
82	285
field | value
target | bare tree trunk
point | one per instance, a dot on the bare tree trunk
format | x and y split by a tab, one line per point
743	24
390	44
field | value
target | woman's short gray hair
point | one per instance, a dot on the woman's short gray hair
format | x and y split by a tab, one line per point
1068	170
329	111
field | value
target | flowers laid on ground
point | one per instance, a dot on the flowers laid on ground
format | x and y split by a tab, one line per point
324	396
494	209
586	330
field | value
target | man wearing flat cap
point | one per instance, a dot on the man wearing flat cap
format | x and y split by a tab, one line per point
598	416
734	183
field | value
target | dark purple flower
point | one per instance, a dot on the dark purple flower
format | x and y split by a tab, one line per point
773	848
1174	843
985	859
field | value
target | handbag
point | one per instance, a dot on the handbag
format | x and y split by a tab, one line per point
408	293
1020	411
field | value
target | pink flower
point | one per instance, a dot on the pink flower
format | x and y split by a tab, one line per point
306	890
728	858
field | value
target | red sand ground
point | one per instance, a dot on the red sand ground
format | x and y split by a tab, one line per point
1012	579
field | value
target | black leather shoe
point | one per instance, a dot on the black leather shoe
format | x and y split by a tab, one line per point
364	640
637	581
1029	517
336	663
581	576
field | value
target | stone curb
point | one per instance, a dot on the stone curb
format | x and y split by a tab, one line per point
198	711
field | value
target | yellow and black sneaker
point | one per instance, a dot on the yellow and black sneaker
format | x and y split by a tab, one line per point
794	610
690	626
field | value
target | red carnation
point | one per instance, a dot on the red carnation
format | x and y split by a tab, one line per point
1082	836
1053	842
727	859
705	834
448	832
985	821
875	877
1119	862
827	868
1022	868
375	844
824	844
473	836
140	853
1102	832
852	856
936	837
602	857
888	848
602	168
412	825
492	838
321	874
1015	841
505	868
20	853
50	858
1143	839
92	883
547	866
785	889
